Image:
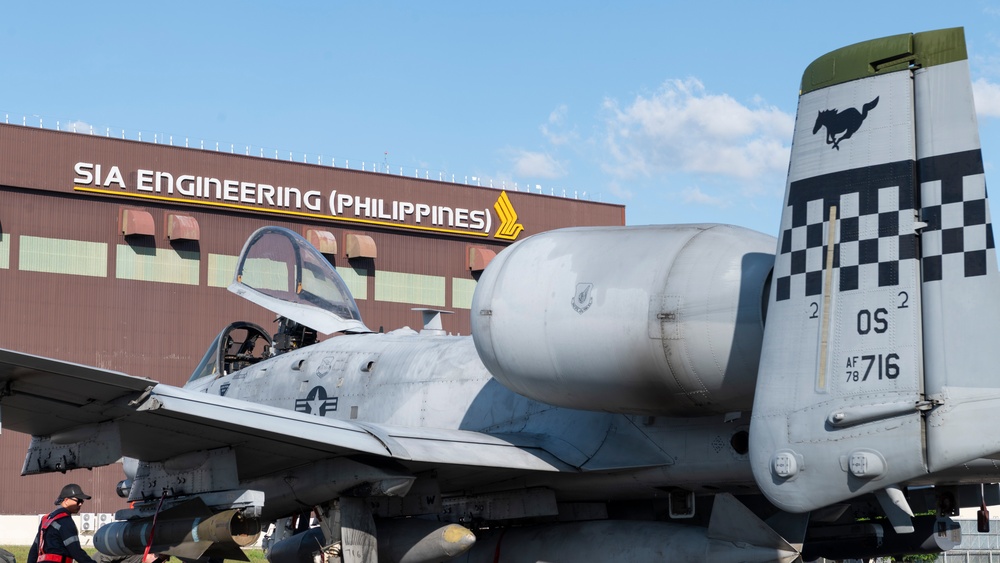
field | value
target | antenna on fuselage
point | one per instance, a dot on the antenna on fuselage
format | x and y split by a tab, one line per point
432	321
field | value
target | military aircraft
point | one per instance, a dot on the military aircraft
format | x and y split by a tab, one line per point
683	393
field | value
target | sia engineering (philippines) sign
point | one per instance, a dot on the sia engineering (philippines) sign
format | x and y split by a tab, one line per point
286	200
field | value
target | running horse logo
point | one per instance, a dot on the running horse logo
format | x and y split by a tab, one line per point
847	122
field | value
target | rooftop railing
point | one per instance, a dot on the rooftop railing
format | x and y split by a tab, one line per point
317	159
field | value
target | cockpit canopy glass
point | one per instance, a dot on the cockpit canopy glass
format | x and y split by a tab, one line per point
281	271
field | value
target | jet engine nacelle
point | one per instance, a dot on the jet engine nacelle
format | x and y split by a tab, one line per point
641	320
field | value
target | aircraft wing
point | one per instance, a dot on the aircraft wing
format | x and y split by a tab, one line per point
40	396
268	430
57	402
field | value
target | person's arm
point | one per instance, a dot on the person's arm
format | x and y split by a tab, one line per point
71	541
33	553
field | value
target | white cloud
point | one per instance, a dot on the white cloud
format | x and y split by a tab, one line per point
552	129
77	127
987	96
537	165
695	195
681	128
619	191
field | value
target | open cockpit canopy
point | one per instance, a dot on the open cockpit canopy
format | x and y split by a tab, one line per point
280	271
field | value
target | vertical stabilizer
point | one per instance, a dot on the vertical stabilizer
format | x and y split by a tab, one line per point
885	202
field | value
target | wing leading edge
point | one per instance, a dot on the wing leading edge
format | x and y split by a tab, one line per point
41	396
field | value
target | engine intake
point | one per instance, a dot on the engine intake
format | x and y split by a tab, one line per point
642	320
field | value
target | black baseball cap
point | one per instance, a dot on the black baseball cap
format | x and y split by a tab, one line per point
72	491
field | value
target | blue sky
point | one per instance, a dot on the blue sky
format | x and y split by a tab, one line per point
682	111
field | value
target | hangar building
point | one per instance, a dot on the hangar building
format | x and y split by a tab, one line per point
117	253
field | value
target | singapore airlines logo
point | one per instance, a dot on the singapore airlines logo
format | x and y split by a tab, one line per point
509	227
847	122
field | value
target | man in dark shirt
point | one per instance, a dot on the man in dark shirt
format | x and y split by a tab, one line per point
60	542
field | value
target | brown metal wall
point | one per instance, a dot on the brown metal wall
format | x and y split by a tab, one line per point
40	159
160	330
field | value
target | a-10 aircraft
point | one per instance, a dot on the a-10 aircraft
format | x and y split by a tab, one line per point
630	394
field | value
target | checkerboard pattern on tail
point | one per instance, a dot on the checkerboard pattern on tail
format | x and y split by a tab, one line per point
959	232
876	240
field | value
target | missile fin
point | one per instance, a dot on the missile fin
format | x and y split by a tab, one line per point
186	551
733	522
